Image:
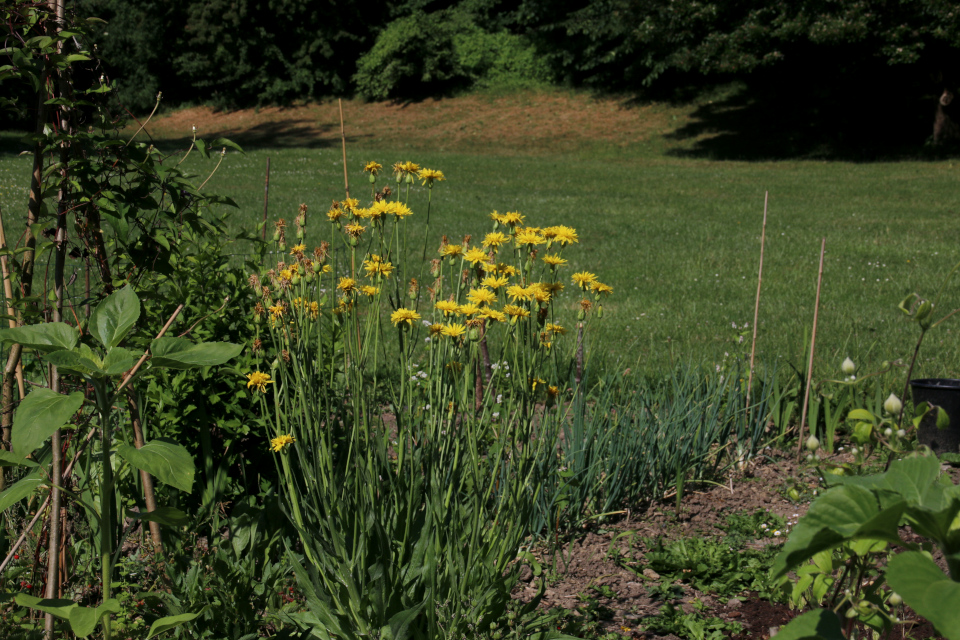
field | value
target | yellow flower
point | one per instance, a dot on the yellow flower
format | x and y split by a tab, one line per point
599	287
335	213
516	292
554	260
562	234
347	285
378	210
554	287
535	382
493	314
436	329
501	268
473	256
512	218
468	309
399	209
447	307
516	312
539	292
350	204
313	309
401	168
367	290
286	274
258	381
373	167
282	442
481	296
375	266
495	282
277	310
326	269
453	330
300	248
555	329
451	250
528	237
430	175
404	315
584	279
355	230
495	239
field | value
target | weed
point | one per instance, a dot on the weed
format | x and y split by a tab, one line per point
694	625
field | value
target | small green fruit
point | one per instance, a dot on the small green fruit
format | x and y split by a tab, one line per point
852	612
812	443
794	495
895	600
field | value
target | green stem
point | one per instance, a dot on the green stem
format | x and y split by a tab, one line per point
106	499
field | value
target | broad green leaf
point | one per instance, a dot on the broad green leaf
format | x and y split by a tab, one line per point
164	459
927	590
40	414
73	362
172	622
118	360
180	353
114	317
819	624
913	480
84	620
58	608
399	624
20	490
943	420
170	516
46	337
860	414
10	459
841	514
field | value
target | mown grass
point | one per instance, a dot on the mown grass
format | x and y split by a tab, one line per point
677	238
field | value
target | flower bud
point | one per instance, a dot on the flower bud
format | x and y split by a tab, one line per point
895	600
299	233
276	236
309	277
581	315
848	367
599	311
812	443
901	433
892	405
295	280
372	178
852	612
888	432
854	450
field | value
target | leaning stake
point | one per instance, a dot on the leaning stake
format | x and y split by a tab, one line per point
756	307
813	344
343	142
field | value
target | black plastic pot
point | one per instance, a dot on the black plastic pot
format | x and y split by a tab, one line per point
944	393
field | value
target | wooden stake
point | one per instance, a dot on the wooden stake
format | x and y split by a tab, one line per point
756	306
8	293
266	198
343	141
813	344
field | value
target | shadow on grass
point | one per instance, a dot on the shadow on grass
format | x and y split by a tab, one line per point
286	134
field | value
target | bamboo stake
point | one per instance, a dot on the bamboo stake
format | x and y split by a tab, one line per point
149	495
8	294
80	448
266	198
343	141
813	344
756	306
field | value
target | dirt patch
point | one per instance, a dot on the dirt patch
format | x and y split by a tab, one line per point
530	122
593	583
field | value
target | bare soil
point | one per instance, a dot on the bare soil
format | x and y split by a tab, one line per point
588	561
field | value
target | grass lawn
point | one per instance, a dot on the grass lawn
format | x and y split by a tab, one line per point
677	236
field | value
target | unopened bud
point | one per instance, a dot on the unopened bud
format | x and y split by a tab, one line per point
901	433
895	600
892	405
888	432
812	443
848	367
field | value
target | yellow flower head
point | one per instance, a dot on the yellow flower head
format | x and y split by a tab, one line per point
562	234
298	249
313	309
375	266
539	292
335	213
555	329
373	167
473	256
278	310
451	250
401	168
347	285
282	442
429	176
493	314
584	279
516	312
481	296
528	237
354	229
469	309
502	268
378	210
516	292
399	209
447	307
511	218
495	282
367	290
404	315
599	287
259	381
554	260
453	330
286	274
436	329
495	239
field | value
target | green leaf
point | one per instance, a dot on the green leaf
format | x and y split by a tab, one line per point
118	360
171	622
943	420
10	459
40	414
927	589
861	414
180	353
84	620
169	516
46	337
20	490
72	361
114	317
841	514
58	608
164	459
819	624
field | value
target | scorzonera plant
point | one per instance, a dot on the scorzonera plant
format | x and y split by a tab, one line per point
408	418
